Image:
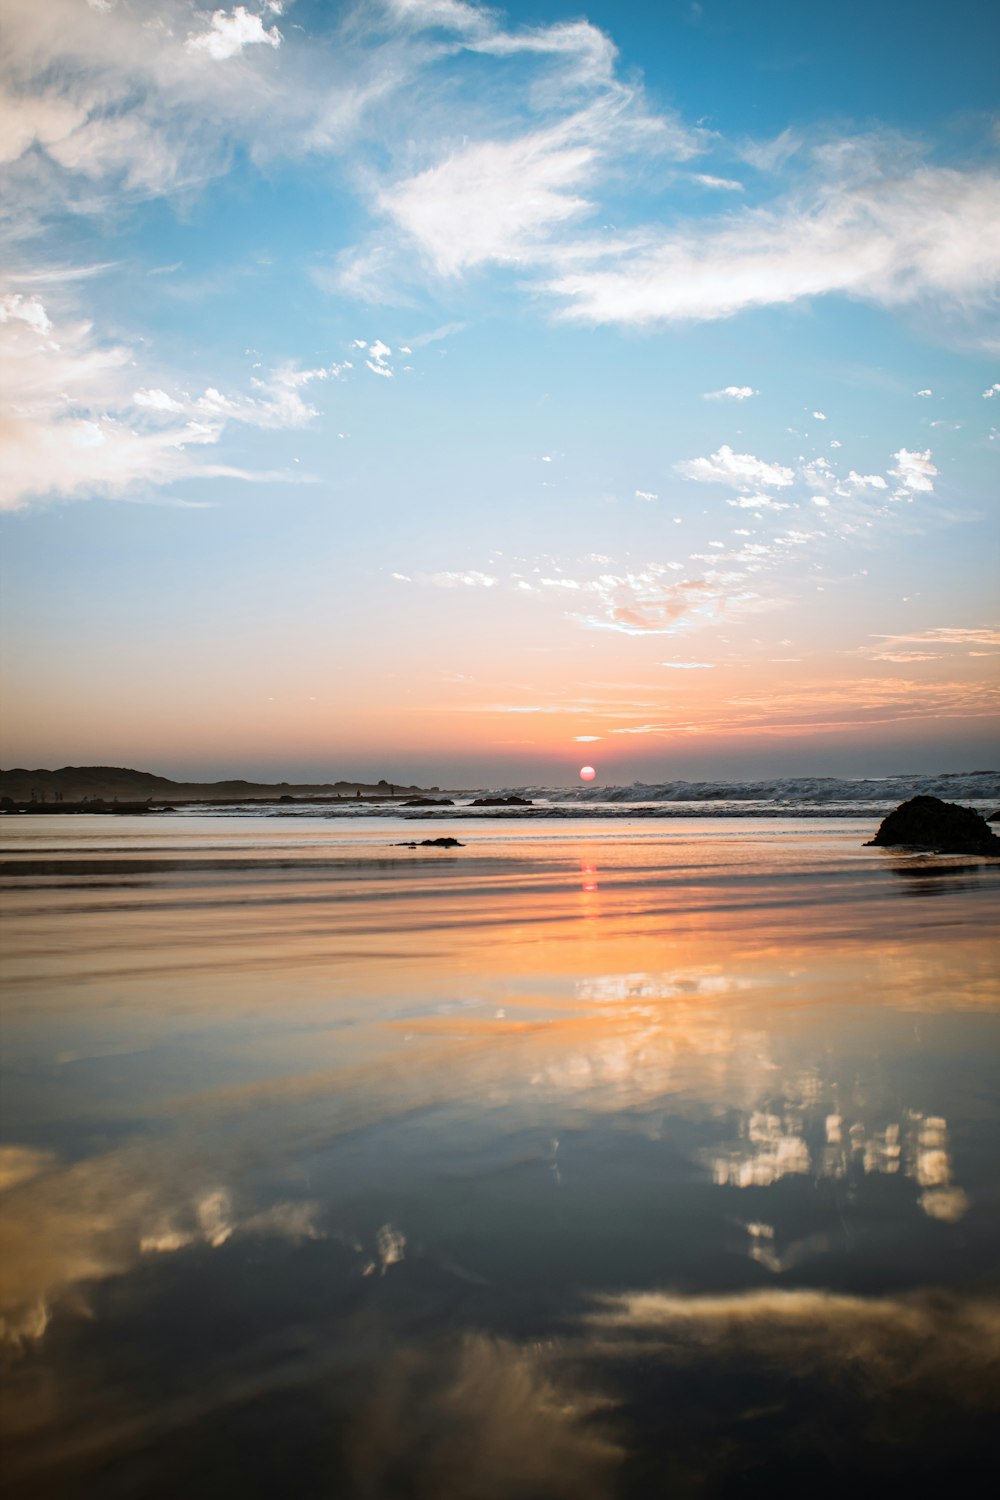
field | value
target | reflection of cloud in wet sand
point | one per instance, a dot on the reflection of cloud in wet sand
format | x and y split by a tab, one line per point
486	1420
642	1038
794	1373
774	1144
699	1390
65	1226
491	1419
890	1341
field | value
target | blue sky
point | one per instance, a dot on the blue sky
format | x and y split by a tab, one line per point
429	390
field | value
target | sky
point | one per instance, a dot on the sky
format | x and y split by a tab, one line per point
461	395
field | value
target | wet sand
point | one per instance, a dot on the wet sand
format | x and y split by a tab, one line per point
605	1160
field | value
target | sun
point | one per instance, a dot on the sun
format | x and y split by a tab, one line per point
587	773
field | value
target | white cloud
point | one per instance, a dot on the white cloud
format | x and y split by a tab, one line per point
943	635
156	400
471	579
134	99
649	603
14	307
450	15
993	390
758	502
228	33
76	425
768	156
689	666
731	393
434	336
646	495
588	53
819	416
494	200
277	402
507	196
737	469
915	471
45	117
924	393
720	184
866	481
131	100
377	358
875	234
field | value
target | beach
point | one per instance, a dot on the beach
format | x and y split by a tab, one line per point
586	1159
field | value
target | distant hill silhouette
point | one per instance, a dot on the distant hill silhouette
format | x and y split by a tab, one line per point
75	783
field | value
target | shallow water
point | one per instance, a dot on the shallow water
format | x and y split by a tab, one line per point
597	1160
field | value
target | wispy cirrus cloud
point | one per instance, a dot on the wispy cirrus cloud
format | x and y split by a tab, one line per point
509	200
77	423
840	707
720	184
494	201
878	236
651	603
470	579
648	601
151	99
912	645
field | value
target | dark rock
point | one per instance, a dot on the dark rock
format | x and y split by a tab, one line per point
512	801
429	802
437	844
944	827
994	817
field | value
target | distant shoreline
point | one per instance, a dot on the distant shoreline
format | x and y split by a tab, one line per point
122	791
122	784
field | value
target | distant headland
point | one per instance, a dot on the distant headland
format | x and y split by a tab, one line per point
74	788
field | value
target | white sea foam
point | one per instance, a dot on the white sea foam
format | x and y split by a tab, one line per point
789	796
805	792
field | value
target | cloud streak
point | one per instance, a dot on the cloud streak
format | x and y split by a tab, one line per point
893	239
77	424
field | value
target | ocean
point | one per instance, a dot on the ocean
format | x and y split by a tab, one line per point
784	797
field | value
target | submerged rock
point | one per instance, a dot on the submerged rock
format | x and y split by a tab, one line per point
944	827
512	801
445	843
428	802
